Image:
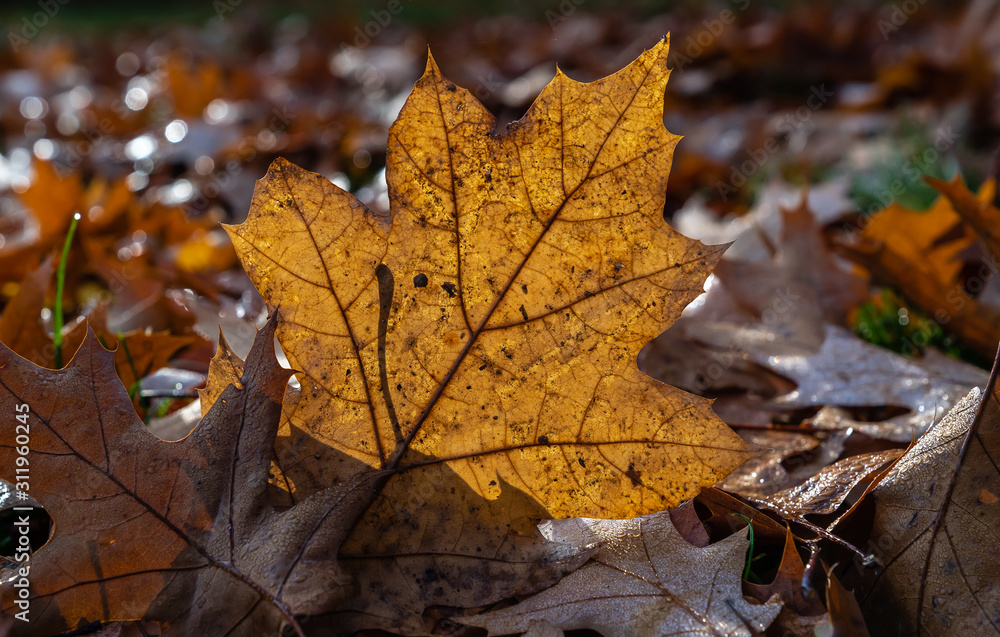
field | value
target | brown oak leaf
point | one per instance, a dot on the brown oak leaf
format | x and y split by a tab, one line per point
935	528
151	529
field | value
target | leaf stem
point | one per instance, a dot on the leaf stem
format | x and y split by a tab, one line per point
57	308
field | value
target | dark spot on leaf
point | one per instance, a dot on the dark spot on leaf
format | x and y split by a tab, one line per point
420	281
524	312
450	289
543	440
582	463
634	475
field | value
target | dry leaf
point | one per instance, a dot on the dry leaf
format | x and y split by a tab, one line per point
53	198
976	210
225	369
489	325
919	254
725	517
845	615
935	528
147	528
644	579
506	296
21	329
467	366
789	295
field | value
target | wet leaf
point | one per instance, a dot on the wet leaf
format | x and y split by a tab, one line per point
827	490
935	528
644	579
847	372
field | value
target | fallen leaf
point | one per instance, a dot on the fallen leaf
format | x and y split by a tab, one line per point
225	369
147	528
919	253
977	211
827	490
788	584
848	372
725	519
138	353
644	579
467	366
933	532
504	296
765	473
788	295
845	615
53	198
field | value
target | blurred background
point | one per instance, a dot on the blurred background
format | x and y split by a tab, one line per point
153	120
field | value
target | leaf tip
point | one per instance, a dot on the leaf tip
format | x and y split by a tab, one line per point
431	69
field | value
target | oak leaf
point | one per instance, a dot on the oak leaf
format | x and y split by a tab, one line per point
644	579
849	372
935	528
920	253
151	529
802	607
978	211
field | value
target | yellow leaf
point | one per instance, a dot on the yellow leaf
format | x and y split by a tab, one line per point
491	322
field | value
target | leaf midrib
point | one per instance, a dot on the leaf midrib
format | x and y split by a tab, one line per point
396	458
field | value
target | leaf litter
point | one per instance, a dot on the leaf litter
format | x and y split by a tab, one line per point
414	585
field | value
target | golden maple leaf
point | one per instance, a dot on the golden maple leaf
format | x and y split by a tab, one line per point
466	365
491	321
